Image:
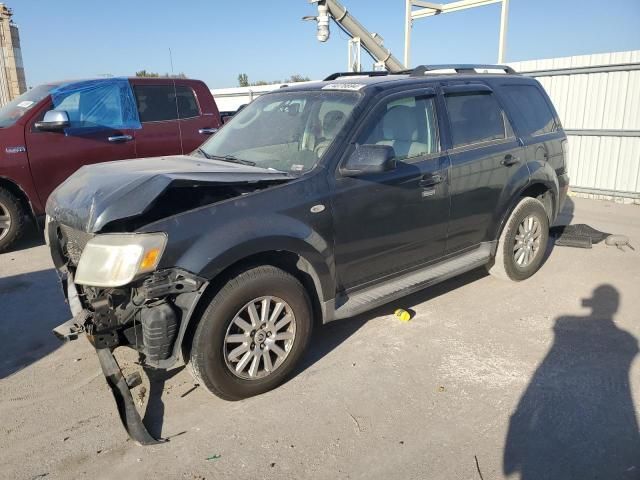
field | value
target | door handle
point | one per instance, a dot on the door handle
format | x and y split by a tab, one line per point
509	160
120	138
207	131
430	180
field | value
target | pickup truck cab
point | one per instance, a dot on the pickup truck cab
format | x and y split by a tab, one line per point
316	202
52	130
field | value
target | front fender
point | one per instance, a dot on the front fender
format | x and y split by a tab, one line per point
206	252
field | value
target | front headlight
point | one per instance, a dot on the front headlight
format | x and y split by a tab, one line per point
113	260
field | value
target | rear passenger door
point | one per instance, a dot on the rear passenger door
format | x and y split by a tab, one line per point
485	154
158	114
536	123
171	119
390	222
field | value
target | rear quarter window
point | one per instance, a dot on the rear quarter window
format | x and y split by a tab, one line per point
157	103
531	109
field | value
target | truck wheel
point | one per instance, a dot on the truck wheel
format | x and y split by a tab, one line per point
12	219
252	333
523	242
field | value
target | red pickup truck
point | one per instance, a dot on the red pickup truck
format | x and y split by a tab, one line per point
52	130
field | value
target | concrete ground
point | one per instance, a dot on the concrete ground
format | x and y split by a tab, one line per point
539	379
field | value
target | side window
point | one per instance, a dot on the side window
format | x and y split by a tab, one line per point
476	118
533	110
157	103
187	104
93	107
408	125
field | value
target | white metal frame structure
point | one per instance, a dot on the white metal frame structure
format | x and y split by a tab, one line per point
353	59
372	43
429	9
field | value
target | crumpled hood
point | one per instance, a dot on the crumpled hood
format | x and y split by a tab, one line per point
98	194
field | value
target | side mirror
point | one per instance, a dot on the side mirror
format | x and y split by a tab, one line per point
54	121
369	159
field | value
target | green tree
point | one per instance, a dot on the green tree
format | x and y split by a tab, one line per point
296	78
243	80
144	73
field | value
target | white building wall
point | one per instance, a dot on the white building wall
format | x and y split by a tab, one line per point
601	113
230	99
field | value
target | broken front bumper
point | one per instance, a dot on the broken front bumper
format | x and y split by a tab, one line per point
83	321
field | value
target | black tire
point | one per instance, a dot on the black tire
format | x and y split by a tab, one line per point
11	208
207	358
505	265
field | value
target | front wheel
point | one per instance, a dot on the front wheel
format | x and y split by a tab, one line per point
252	334
522	243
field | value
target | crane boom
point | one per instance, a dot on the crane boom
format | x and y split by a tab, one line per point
355	29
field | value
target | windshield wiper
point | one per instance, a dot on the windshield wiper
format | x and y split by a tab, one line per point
232	159
203	153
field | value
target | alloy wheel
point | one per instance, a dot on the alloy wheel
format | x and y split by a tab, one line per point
259	338
5	221
527	241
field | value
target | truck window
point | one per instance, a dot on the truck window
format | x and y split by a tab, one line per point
158	103
408	125
99	106
532	109
476	118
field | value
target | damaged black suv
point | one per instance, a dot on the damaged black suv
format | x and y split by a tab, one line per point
314	203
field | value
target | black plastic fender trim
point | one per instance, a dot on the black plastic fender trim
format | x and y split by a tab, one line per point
130	417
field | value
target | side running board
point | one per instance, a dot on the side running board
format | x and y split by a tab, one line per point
377	295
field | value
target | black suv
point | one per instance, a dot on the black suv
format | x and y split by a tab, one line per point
315	202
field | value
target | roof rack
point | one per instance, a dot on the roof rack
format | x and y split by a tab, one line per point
421	70
376	73
459	68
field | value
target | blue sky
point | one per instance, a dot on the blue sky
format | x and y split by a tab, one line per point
214	40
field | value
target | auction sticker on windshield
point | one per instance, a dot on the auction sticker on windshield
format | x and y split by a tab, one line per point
344	86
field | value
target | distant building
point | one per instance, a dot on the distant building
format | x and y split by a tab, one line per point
12	80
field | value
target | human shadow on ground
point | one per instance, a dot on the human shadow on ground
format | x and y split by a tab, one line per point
576	419
31	305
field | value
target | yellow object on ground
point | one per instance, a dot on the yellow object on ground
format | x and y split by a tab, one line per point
402	314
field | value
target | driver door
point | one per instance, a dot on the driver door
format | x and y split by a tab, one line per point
54	156
390	222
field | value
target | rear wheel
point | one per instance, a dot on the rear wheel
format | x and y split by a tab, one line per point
12	219
523	242
252	333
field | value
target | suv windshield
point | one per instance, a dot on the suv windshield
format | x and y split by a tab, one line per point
15	109
286	131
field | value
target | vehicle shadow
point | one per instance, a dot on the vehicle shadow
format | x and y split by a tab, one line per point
154	413
31	305
576	419
328	337
32	237
566	214
564	218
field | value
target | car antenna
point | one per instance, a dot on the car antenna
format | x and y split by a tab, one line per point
175	95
